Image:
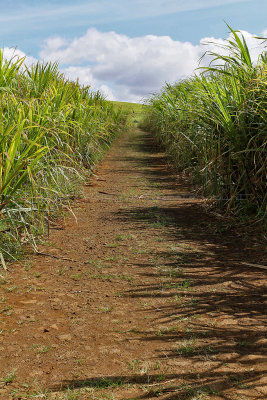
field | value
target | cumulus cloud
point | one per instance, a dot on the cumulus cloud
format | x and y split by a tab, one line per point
255	46
131	68
134	66
16	54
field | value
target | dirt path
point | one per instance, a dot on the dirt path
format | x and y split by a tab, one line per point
145	299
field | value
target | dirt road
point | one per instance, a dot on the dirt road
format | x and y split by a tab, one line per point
144	298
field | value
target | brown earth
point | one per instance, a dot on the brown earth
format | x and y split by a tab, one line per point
145	297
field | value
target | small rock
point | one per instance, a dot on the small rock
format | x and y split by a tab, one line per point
54	326
66	337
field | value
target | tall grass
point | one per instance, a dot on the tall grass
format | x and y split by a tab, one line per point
215	126
51	132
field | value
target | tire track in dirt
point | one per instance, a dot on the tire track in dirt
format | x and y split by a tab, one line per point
144	297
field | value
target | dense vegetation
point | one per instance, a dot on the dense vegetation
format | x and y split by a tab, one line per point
51	131
214	125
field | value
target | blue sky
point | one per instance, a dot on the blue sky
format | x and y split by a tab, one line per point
51	30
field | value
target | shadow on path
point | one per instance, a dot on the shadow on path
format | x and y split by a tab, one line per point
213	307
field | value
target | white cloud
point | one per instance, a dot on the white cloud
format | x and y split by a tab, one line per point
130	68
83	74
15	54
135	66
107	92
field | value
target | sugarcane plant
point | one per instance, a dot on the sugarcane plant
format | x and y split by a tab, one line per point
214	125
52	132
